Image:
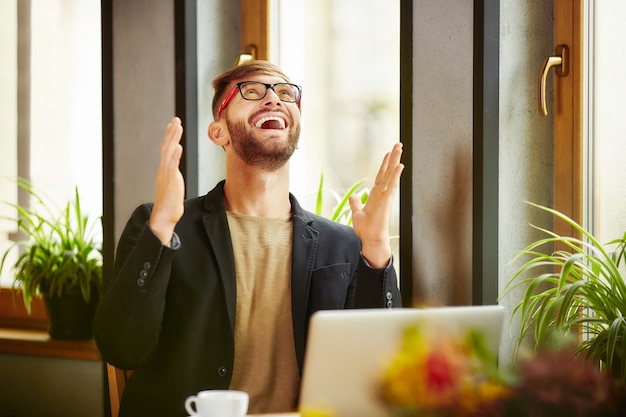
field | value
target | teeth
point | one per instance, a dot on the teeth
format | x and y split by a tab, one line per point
268	118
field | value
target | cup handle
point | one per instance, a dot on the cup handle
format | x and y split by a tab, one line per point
190	405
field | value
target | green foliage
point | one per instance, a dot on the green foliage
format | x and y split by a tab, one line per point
341	212
59	249
574	289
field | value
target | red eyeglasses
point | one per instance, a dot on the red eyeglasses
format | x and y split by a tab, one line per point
256	90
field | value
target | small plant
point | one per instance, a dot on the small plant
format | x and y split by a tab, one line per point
574	290
59	249
341	212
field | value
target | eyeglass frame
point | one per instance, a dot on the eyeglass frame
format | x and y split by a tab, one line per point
229	97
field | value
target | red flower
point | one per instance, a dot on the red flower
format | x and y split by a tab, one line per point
439	375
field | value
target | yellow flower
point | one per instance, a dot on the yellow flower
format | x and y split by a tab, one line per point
316	412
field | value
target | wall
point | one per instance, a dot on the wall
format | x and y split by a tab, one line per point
442	151
46	387
442	160
526	144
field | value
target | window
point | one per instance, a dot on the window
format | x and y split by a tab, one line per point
605	197
50	93
349	66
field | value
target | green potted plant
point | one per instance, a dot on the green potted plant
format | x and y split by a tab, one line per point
577	289
59	259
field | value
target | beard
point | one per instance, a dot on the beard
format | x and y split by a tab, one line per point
269	155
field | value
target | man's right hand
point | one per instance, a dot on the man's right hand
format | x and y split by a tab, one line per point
170	185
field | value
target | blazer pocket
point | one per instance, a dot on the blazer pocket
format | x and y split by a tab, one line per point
329	287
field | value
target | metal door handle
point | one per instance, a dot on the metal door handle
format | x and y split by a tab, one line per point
248	55
560	62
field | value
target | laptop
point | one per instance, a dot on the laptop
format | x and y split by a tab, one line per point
347	351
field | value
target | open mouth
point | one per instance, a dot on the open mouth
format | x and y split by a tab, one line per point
270	122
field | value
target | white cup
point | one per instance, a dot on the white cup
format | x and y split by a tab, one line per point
217	403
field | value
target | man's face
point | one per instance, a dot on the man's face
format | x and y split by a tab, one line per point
263	133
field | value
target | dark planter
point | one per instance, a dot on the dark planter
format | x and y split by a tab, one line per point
71	318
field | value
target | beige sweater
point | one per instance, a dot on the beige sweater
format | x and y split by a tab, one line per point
265	359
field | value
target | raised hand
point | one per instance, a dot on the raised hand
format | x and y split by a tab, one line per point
170	185
371	221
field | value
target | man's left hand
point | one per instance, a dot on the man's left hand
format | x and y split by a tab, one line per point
371	221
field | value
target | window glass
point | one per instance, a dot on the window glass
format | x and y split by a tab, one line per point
608	122
8	117
62	123
345	54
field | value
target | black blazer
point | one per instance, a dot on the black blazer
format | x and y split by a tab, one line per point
169	313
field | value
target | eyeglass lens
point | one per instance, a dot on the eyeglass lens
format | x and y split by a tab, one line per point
254	90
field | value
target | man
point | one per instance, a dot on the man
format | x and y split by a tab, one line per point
216	292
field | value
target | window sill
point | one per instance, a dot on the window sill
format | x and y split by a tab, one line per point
38	343
26	334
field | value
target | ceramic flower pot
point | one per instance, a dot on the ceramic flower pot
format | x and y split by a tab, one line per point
71	317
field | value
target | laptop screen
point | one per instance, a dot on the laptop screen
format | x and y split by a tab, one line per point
347	351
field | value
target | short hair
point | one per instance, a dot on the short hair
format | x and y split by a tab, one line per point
221	83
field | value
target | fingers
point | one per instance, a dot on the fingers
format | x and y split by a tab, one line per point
171	149
390	170
173	132
355	203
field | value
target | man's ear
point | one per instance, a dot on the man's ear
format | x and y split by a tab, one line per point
218	133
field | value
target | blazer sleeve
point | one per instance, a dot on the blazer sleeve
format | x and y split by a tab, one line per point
128	319
377	287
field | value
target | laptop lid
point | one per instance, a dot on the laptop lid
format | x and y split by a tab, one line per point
347	351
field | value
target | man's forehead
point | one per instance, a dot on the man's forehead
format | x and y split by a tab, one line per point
263	77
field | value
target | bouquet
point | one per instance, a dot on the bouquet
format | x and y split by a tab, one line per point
439	373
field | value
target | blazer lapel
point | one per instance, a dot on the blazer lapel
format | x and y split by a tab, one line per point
216	227
305	240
